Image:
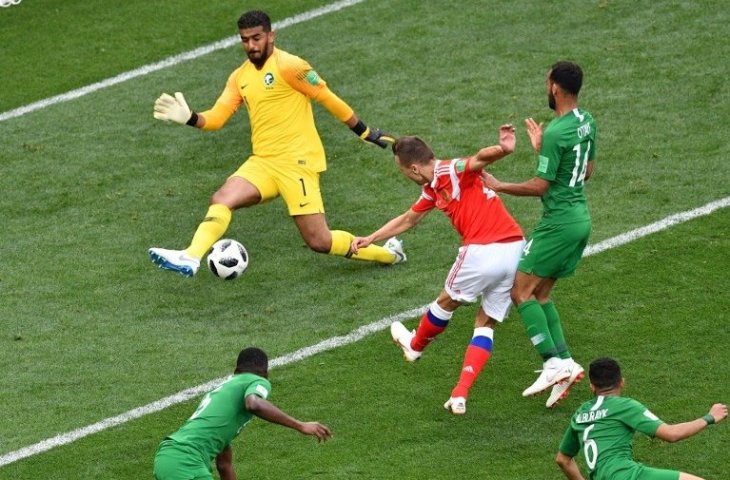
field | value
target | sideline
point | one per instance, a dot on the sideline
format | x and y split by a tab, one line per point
170	61
330	343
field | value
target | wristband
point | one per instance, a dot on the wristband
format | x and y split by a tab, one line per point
193	120
709	419
359	128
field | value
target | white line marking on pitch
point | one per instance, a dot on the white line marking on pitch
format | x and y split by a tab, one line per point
170	61
329	344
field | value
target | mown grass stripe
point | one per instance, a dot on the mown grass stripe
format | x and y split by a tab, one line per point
169	62
330	343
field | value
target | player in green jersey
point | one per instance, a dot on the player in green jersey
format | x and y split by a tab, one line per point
187	454
567	149
603	428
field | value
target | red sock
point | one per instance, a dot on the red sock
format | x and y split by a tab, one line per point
476	356
433	322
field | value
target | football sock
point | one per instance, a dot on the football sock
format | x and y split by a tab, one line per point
476	356
555	328
537	328
210	230
433	322
342	240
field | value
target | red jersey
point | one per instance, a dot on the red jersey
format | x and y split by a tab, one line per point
475	211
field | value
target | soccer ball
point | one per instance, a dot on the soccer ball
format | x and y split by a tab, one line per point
227	259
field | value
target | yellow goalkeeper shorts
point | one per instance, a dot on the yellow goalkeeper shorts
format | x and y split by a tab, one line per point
298	186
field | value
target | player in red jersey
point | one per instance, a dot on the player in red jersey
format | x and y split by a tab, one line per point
492	243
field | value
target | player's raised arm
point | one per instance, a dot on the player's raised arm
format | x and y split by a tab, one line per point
170	108
491	154
175	108
534	131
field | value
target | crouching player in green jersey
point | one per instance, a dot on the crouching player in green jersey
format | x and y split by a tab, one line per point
188	453
603	427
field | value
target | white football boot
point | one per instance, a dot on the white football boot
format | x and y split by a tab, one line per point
395	246
402	337
456	405
562	388
553	370
175	260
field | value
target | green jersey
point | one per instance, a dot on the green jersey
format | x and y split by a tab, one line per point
221	415
568	144
603	428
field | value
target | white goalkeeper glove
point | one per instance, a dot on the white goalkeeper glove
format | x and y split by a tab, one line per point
174	109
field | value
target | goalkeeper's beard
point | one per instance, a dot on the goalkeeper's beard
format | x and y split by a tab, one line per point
258	58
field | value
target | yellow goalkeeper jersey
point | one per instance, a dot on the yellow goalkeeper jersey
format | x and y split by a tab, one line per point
278	99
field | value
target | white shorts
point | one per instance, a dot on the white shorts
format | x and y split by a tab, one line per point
486	270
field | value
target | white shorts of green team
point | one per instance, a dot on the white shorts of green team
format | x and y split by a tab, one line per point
9	3
487	271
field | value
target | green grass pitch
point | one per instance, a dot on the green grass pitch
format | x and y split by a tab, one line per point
90	329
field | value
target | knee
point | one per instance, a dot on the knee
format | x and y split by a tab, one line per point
219	198
445	301
319	243
542	297
518	295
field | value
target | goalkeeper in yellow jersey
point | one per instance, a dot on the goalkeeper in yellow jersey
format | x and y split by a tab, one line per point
287	154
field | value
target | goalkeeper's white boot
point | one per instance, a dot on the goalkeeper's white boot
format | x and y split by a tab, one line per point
395	246
456	405
562	388
402	337
175	260
553	371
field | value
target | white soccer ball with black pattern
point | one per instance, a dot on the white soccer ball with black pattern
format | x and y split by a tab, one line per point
227	259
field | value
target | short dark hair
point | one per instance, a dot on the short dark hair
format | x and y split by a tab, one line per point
252	359
604	373
568	76
410	150
254	18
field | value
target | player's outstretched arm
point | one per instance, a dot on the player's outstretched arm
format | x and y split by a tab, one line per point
343	112
568	466
175	109
534	187
224	464
491	154
369	134
271	413
392	228
680	431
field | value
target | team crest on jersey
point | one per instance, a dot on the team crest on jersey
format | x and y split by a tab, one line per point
444	198
269	79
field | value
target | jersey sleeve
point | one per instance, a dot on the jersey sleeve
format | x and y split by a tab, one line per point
570	444
462	167
642	419
300	75
226	105
549	157
260	387
426	202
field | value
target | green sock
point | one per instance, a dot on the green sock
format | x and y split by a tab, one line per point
537	328
555	328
